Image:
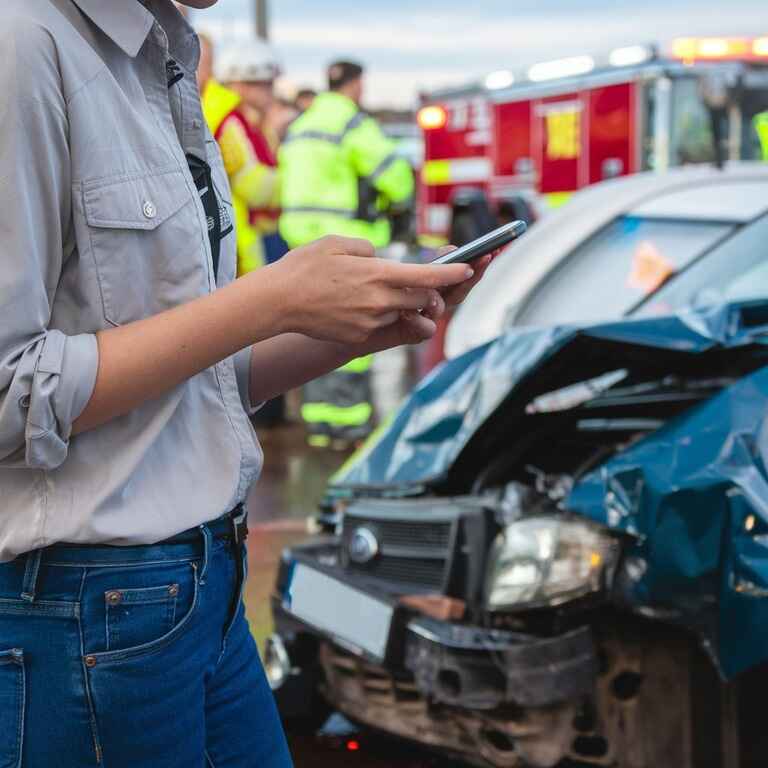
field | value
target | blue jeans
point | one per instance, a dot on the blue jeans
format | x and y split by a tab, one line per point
133	656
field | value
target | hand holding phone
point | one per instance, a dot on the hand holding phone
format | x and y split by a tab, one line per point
488	243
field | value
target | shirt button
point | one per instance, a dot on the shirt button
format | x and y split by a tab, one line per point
149	209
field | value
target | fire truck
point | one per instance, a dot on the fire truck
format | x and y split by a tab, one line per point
520	143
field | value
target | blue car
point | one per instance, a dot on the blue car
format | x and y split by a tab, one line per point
555	554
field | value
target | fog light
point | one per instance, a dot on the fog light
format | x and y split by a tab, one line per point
277	663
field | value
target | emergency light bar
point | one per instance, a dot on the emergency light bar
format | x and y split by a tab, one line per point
631	55
690	49
501	79
550	70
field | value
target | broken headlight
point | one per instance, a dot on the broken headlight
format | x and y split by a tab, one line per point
548	561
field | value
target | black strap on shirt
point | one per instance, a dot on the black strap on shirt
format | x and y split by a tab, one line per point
217	217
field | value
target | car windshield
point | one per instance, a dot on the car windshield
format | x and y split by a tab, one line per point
618	267
735	270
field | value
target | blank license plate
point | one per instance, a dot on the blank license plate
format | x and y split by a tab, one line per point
327	604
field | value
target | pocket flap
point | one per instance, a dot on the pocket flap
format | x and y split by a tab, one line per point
139	201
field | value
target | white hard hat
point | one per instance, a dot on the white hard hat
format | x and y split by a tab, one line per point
247	62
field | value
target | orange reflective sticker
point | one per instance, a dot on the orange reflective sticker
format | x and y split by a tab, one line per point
650	268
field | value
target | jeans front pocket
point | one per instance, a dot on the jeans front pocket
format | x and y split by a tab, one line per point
12	695
133	615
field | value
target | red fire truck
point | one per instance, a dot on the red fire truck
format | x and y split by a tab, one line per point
519	143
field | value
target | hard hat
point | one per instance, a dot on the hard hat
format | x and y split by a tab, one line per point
247	62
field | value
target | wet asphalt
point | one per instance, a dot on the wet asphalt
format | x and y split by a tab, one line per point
291	484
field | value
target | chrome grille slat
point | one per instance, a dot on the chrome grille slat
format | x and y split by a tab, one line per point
414	547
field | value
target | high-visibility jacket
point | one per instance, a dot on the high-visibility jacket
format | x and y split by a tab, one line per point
339	173
760	122
251	167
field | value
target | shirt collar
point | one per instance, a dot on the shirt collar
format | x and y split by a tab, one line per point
128	22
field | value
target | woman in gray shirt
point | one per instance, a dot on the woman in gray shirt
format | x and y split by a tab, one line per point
129	361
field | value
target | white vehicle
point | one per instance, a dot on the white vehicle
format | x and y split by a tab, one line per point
649	243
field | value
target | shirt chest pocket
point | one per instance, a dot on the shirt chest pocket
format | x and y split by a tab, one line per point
145	239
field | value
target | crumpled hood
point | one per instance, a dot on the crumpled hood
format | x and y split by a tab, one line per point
692	496
449	406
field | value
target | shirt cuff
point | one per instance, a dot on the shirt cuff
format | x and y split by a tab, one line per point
62	384
242	360
78	376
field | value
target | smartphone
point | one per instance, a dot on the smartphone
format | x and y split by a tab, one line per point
483	245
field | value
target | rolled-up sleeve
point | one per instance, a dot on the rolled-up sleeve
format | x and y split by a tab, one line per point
242	360
46	375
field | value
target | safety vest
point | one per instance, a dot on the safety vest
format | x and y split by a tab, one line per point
338	174
760	122
219	104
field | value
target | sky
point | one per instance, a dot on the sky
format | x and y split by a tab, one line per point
410	46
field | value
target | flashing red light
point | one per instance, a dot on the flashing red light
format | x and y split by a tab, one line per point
353	746
431	117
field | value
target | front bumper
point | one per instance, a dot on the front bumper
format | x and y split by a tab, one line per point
482	669
455	664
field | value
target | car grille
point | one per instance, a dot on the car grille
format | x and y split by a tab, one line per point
414	544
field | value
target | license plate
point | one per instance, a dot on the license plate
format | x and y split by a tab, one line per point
347	614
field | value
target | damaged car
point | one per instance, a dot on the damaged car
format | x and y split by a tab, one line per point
555	554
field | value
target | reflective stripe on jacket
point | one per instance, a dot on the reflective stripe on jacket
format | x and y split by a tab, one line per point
333	157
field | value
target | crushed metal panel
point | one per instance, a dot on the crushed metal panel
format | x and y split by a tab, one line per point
694	495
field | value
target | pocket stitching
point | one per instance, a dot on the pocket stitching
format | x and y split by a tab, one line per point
164	598
99	182
103	657
15	657
93	221
94	226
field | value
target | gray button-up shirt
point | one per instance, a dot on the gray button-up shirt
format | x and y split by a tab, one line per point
100	225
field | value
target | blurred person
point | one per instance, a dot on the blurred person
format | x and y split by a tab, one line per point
130	358
340	175
205	67
235	103
279	117
238	116
305	98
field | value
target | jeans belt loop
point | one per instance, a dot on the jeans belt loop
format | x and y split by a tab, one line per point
239	525
31	574
207	545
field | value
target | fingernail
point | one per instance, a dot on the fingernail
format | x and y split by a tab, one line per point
470	272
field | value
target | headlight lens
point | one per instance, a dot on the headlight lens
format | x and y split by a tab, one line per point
547	561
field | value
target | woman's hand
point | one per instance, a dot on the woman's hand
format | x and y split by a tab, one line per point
413	327
335	290
454	295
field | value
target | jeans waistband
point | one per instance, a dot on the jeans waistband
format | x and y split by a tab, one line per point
190	544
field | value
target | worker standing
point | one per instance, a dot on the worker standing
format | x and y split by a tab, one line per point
340	175
235	103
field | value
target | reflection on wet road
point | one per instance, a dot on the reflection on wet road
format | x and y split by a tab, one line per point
292	483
